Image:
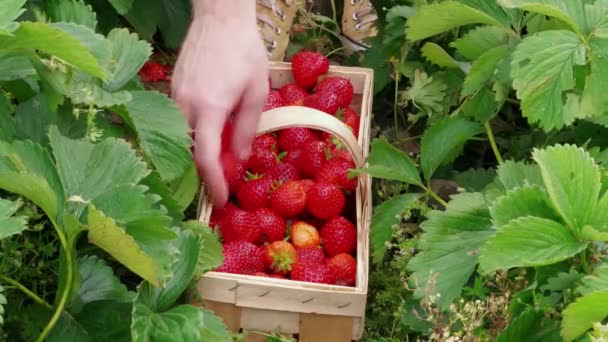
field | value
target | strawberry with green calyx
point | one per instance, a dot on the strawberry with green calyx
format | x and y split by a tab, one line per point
262	159
274	100
153	71
312	254
339	86
240	225
338	235
313	272
336	171
293	94
279	256
304	235
313	157
295	137
307	66
242	257
344	267
325	200
351	119
273	227
294	157
253	193
325	102
289	199
283	172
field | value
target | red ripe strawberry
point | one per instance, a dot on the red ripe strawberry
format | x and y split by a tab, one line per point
283	172
242	257
307	66
313	254
338	235
277	276
218	215
240	225
265	142
294	157
272	226
344	266
325	102
325	200
295	138
153	71
237	177
289	199
261	274
313	157
304	235
339	86
335	171
279	256
349	117
293	94
307	184
253	194
263	154
312	272
274	100
342	153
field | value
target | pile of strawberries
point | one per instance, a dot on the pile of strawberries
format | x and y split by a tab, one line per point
292	203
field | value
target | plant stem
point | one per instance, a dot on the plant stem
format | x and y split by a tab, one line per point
334	15
66	290
395	106
584	263
26	291
435	196
493	143
334	51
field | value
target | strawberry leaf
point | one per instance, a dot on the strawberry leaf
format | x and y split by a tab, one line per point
570	12
7	129
479	40
443	141
572	180
579	316
122	6
525	201
437	55
528	241
129	53
14	66
596	282
388	162
522	327
483	69
211	251
11	10
518	174
75	11
449	247
426	93
9	224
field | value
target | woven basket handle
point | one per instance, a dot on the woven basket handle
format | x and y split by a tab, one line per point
298	116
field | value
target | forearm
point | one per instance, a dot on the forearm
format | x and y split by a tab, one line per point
243	9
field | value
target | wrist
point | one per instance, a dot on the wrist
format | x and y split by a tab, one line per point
243	9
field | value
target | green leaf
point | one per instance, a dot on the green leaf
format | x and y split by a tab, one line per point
122	6
71	11
162	132
482	106
14	66
528	242
572	181
514	174
426	93
129	55
479	40
523	327
2	304
10	225
54	41
33	119
437	55
570	12
144	17
542	71
11	10
187	187
107	320
388	162
562	281
96	43
482	69
211	254
433	19
443	141
157	186
385	216
7	129
475	180
98	283
592	103
449	247
525	201
181	323
596	282
579	316
88	91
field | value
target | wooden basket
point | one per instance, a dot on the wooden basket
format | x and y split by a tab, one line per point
316	312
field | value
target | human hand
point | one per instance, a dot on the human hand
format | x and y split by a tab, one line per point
222	70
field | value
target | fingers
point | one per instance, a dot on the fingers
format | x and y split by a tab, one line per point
248	114
207	147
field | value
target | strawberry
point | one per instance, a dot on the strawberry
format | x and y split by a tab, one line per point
265	142
293	94
342	153
261	274
237	177
325	200
272	226
325	102
283	172
274	100
304	235
294	157
294	138
307	184
242	257
313	157
307	66
338	235
344	267
253	194
349	117
263	154
339	86
218	215
153	71
279	256
335	171
312	254
312	272
240	225
277	276
289	199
